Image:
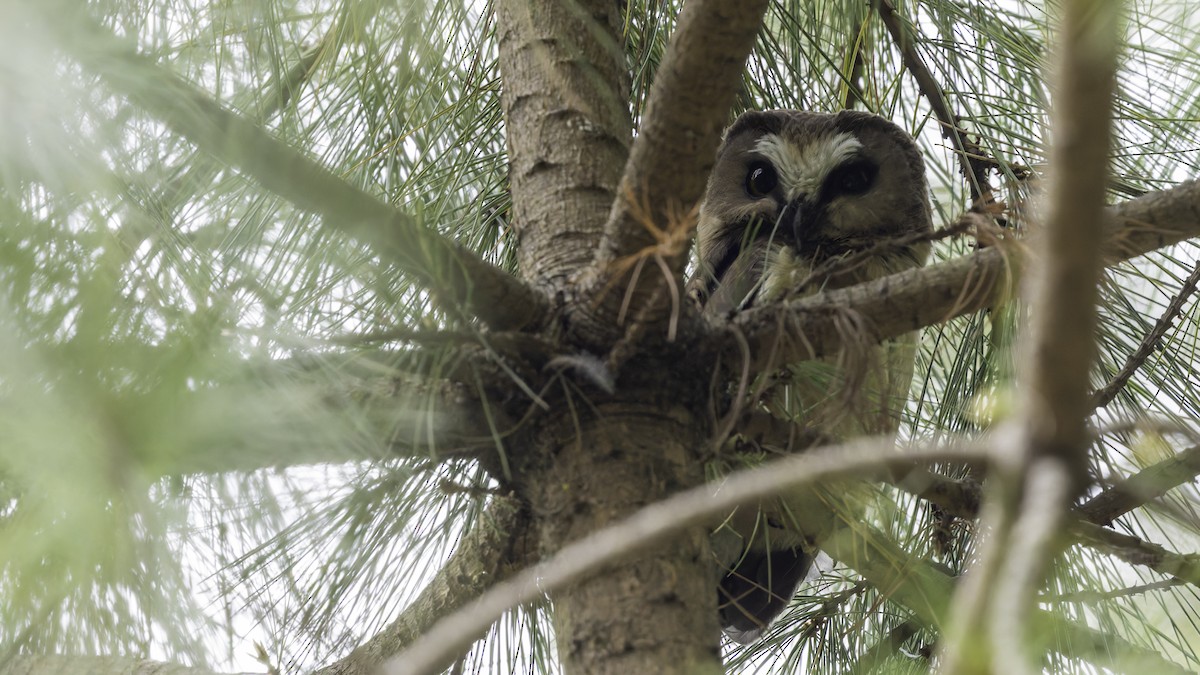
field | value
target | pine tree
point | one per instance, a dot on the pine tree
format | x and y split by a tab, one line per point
337	335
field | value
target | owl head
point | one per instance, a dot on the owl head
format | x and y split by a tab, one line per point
792	190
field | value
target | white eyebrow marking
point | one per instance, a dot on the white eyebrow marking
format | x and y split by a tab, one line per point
802	168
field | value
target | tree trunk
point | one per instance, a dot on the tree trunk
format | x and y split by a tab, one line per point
566	112
597	458
655	613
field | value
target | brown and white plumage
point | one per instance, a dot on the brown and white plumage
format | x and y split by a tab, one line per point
792	195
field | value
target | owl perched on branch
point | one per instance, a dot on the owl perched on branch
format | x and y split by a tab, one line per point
797	203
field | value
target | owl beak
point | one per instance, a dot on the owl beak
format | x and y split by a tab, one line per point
801	219
791	219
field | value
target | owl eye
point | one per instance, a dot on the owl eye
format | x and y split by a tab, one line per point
761	179
852	179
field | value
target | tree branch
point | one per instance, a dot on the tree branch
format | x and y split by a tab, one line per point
699	505
903	579
873	660
686	112
301	404
959	498
911	583
1139	552
1106	394
1073	640
198	168
664	177
925	590
1061	344
817	325
974	166
1032	544
1047	441
490	553
453	427
962	498
1150	483
460	279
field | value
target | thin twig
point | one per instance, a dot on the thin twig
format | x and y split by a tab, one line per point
1108	392
490	552
830	606
1148	425
853	92
1101	596
888	245
1136	551
975	164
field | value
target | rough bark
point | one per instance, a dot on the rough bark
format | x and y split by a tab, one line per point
588	464
640	262
652	612
566	109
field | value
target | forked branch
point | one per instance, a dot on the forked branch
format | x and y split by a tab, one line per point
675	149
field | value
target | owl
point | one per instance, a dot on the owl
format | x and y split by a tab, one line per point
800	202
